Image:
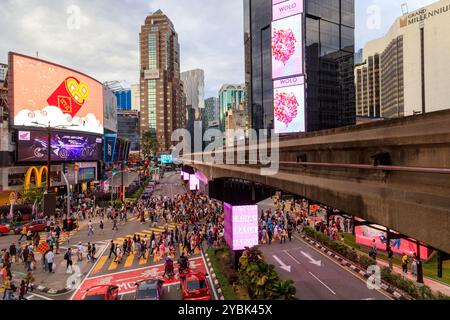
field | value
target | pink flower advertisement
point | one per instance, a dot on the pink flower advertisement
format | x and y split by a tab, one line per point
287	47
289	109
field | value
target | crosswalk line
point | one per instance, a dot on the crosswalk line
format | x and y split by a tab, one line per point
101	262
113	266
129	261
143	260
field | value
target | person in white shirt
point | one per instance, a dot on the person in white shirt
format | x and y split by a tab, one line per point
49	257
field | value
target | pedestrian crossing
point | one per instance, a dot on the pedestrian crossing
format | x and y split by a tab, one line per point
107	264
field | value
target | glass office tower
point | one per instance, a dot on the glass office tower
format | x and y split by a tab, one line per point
329	61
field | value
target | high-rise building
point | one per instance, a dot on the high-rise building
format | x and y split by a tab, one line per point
3	71
328	39
194	88
359	57
406	72
230	96
135	97
160	78
212	112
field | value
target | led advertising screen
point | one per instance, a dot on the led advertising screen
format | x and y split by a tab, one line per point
283	9
166	159
67	146
289	107
42	92
186	176
365	236
110	144
241	226
194	183
287	47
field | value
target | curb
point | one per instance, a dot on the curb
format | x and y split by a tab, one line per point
395	293
214	278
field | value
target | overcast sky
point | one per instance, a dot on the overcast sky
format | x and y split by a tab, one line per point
104	41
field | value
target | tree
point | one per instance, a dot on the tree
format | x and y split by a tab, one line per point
150	146
32	195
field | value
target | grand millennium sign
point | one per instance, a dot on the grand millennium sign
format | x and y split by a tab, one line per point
422	15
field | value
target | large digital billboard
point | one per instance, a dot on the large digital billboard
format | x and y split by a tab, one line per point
289	106
283	9
65	147
365	236
287	47
109	147
194	183
42	92
241	226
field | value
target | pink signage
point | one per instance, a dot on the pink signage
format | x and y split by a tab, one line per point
186	176
200	176
274	2
287	47
287	8
241	226
289	109
194	183
365	235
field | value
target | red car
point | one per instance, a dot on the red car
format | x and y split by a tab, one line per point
35	226
105	292
195	287
4	229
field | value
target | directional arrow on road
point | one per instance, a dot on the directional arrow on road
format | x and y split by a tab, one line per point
312	260
282	265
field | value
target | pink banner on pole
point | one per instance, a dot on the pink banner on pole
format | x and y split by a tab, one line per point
194	183
241	226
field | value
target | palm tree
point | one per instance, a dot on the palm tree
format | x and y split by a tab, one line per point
283	290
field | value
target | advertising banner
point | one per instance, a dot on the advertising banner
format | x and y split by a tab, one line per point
166	159
65	147
365	236
110	144
186	176
194	183
287	47
287	8
289	109
241	226
42	92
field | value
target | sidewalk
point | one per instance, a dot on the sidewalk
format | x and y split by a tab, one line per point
435	286
60	281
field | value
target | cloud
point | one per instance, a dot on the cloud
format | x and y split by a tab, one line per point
101	38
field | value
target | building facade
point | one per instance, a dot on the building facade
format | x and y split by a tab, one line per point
135	97
3	71
194	88
231	96
160	79
406	72
123	99
329	63
128	124
212	112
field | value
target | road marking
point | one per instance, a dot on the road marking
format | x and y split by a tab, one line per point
292	257
129	261
323	283
211	284
100	263
113	266
282	264
312	260
39	296
340	265
144	260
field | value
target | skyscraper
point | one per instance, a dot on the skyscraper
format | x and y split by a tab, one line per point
328	58
212	112
230	96
194	88
160	78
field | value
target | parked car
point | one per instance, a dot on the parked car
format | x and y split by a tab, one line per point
34	226
195	287
149	289
104	292
5	229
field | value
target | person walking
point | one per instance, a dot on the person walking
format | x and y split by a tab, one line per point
405	261
101	226
115	228
93	253
90	229
68	258
390	258
49	258
13	252
80	250
283	236
112	250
